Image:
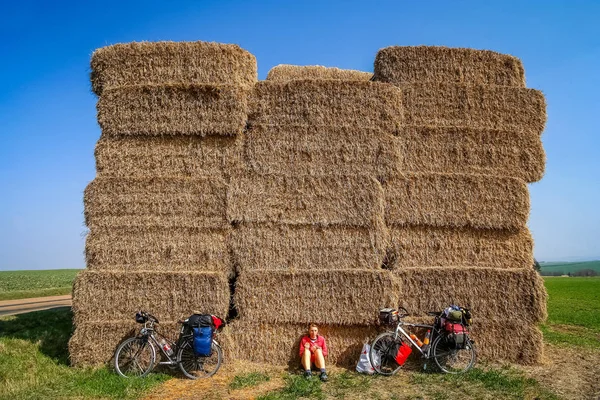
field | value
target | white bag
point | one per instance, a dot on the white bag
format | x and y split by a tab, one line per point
364	363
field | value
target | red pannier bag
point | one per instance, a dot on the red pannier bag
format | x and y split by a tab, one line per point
403	352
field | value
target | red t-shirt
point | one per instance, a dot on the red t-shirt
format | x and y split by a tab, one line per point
319	342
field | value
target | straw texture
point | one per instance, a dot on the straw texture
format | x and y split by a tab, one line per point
177	109
285	72
163	63
402	65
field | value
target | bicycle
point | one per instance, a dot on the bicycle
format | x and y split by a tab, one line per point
136	356
449	357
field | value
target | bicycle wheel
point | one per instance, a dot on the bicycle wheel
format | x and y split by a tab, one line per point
194	366
135	358
380	355
451	360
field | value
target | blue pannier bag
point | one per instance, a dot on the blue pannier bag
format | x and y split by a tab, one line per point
203	340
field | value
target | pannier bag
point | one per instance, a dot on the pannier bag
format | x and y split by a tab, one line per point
387	317
456	334
400	351
203	340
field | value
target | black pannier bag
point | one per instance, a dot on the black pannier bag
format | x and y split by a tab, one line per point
387	317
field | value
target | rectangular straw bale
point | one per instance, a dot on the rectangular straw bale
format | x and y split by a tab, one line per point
327	102
424	246
159	202
280	343
457	200
193	156
285	72
111	295
321	150
283	247
493	294
484	107
164	63
157	249
415	64
320	296
473	151
178	109
93	344
302	200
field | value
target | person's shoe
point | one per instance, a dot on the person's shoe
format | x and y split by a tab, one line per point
324	377
308	374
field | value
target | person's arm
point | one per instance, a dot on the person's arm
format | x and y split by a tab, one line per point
302	345
324	347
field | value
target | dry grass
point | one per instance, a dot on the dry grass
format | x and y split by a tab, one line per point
492	294
164	63
100	296
457	200
479	107
327	102
157	249
321	150
285	72
422	246
473	151
320	296
181	109
306	200
158	202
142	156
284	247
402	65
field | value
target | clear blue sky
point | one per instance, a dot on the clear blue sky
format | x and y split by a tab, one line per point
48	119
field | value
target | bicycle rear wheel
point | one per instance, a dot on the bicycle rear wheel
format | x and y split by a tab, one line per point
135	358
380	355
451	360
194	366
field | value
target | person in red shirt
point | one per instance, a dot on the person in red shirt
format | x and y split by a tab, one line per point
313	350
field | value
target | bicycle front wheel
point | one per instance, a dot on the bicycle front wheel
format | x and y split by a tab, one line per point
380	355
452	360
135	358
194	366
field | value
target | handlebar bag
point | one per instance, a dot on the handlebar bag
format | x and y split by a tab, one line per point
202	340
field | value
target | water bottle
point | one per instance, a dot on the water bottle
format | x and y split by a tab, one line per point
426	341
166	347
416	339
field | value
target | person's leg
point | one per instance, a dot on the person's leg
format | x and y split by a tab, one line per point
320	363
306	362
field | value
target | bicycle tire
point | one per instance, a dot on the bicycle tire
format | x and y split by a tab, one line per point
133	352
379	357
442	354
194	366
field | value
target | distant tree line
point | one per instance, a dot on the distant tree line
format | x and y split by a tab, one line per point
581	272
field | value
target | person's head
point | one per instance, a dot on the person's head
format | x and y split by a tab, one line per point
313	331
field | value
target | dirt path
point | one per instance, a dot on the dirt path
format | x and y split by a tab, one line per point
21	306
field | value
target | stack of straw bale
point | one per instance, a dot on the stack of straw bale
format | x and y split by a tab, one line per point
172	115
457	213
310	235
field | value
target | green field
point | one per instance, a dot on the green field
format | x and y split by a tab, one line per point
26	284
564	268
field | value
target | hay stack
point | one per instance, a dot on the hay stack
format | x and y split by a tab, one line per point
165	63
285	72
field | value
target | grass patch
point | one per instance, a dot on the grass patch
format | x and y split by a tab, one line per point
297	387
26	284
248	380
34	363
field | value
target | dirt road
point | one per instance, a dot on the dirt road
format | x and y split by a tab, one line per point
21	306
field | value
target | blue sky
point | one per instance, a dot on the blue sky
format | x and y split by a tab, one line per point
48	123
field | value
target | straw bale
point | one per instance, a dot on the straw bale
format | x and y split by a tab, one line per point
285	72
157	249
320	296
144	156
163	63
280	343
111	295
419	246
160	202
484	107
474	151
302	200
321	150
493	294
326	102
284	247
414	64
181	109
459	200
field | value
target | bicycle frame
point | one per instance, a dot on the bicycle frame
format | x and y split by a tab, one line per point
150	333
406	335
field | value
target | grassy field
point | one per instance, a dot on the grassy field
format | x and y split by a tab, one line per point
549	268
25	284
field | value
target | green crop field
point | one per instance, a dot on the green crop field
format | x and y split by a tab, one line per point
26	284
564	268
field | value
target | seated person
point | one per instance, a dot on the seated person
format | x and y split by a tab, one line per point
313	350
